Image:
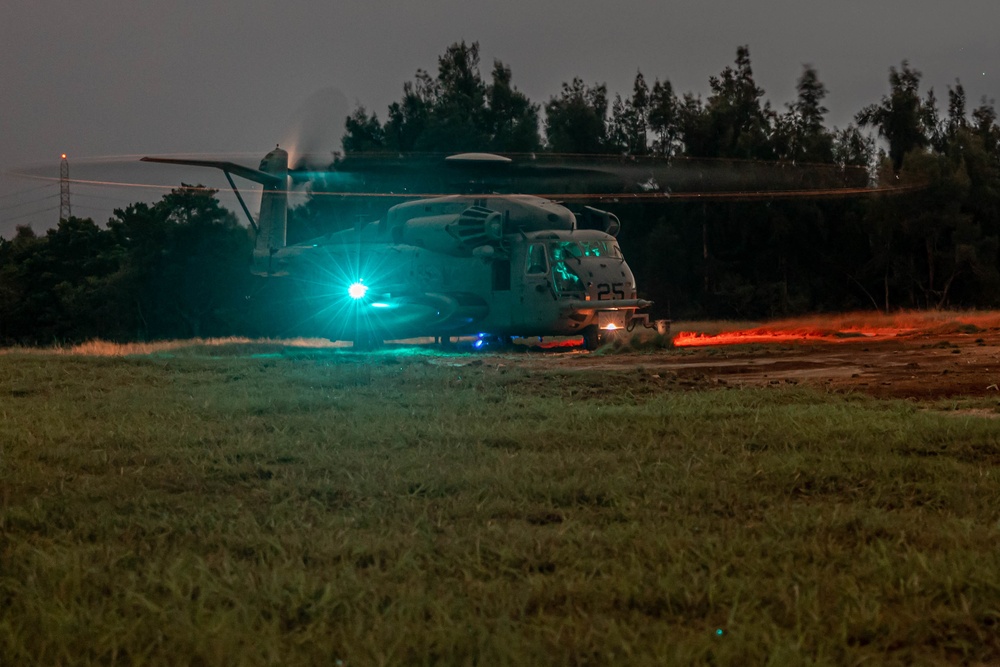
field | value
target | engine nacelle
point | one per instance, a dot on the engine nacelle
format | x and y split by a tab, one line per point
452	234
602	221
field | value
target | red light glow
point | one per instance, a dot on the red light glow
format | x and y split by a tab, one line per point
768	335
551	344
857	327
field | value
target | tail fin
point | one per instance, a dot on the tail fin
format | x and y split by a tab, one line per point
272	223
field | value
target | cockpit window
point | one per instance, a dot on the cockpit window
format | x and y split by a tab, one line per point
537	263
563	277
568	249
600	249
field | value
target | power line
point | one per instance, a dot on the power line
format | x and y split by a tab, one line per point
23	192
93	208
25	215
25	203
89	196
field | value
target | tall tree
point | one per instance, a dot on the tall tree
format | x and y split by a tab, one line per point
957	120
732	123
903	119
663	119
186	263
575	121
853	148
409	118
364	133
628	132
454	111
512	117
985	124
458	116
53	282
802	135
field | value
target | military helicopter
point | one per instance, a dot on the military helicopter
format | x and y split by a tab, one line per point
485	265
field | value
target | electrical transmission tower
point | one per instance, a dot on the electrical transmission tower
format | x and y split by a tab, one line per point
64	208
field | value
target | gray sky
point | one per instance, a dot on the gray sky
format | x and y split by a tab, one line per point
122	77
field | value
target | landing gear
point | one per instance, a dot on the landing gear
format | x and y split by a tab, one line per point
592	338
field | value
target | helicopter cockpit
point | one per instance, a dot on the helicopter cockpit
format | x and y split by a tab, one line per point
579	264
569	258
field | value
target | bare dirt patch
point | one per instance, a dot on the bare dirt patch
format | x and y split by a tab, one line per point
917	365
917	355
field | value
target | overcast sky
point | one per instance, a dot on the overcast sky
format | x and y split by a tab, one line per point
123	77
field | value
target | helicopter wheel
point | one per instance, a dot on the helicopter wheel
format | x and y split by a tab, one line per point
592	338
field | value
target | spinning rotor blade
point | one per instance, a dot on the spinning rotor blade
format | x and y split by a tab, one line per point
581	177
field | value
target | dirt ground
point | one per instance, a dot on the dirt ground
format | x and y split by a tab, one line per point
917	365
923	356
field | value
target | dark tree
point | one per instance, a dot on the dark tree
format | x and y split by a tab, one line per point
904	120
364	133
985	124
957	120
575	121
455	111
732	123
802	136
186	265
458	114
512	118
53	283
409	118
628	132
664	112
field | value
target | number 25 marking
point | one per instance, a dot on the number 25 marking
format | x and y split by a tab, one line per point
606	292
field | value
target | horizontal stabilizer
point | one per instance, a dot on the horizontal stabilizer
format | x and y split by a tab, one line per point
228	167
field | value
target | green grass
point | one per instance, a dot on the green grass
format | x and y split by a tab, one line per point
309	506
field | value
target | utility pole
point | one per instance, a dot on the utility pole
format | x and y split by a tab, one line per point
64	208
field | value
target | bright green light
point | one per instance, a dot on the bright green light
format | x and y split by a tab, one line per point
357	290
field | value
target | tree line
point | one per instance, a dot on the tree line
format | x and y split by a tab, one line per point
178	267
174	269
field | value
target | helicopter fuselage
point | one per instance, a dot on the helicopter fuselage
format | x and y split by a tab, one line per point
514	266
497	265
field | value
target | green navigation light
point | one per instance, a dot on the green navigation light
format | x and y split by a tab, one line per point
357	290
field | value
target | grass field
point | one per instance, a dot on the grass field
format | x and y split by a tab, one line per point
263	504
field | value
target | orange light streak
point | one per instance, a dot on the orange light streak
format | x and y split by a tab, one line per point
847	328
765	335
576	341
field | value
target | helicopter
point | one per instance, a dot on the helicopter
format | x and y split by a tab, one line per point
491	266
